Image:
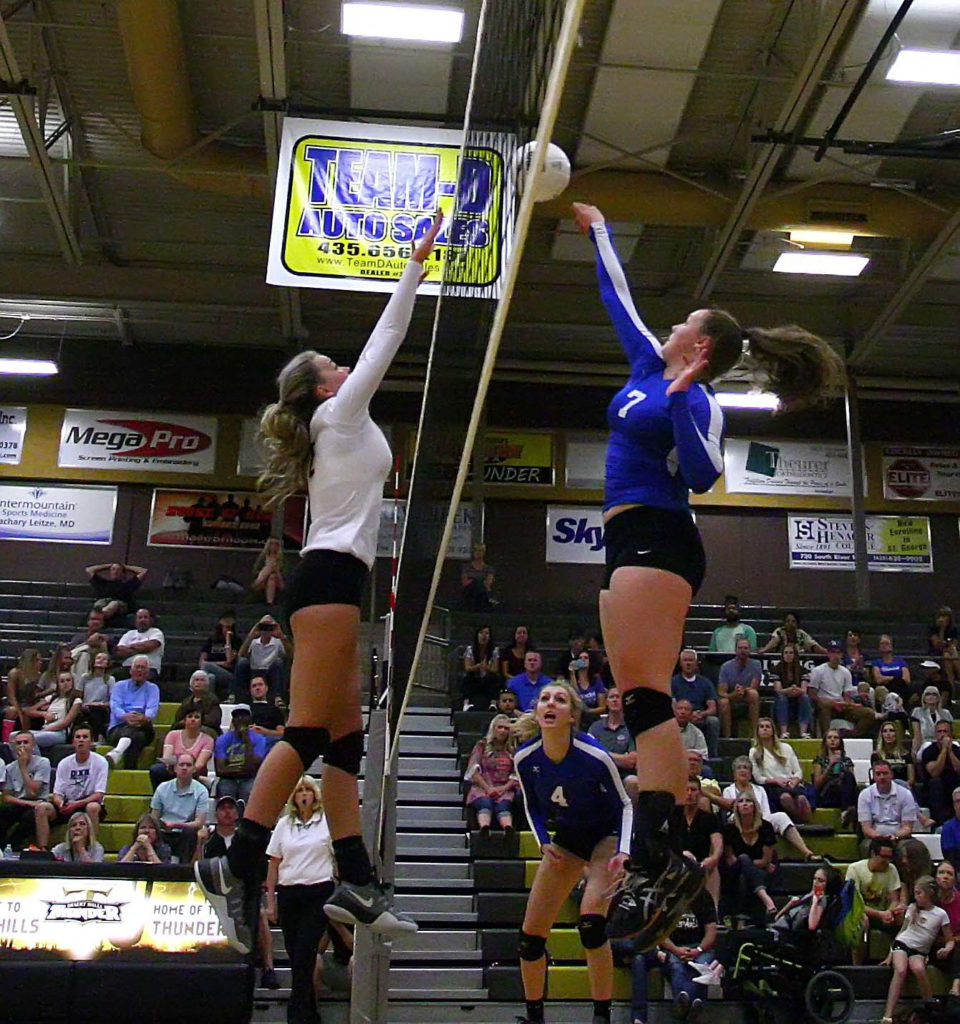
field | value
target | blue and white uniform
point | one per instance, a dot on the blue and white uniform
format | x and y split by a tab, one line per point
582	793
661	447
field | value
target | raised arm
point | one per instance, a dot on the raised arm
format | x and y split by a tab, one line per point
697	430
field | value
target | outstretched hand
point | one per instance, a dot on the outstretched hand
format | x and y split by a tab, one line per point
690	374
425	247
584	215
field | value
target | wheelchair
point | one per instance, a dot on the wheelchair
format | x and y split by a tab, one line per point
779	970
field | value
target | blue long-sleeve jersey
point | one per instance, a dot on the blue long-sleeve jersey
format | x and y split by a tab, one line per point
583	791
661	447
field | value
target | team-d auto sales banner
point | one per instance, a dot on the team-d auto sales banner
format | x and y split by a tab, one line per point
171	442
208	519
894	543
353	200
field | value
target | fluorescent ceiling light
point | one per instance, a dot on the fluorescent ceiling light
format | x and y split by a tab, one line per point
402	21
747	400
831	264
32	367
931	67
822	236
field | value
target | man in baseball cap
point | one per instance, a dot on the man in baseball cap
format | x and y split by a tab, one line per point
238	754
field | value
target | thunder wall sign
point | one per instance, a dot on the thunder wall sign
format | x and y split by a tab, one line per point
352	201
131	440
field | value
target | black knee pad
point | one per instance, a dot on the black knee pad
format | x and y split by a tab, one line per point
593	930
308	741
531	947
644	708
346	753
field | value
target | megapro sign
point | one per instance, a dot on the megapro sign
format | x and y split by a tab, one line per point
130	440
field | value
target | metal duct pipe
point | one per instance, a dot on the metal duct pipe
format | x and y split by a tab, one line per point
157	68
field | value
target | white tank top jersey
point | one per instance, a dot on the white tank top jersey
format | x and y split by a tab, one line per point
351	457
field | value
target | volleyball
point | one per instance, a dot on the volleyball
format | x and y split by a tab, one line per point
552	179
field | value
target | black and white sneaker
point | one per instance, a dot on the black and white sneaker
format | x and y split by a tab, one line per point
227	894
646	908
370	905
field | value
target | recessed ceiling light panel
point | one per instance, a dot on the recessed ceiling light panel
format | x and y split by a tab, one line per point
28	367
409	22
928	67
826	263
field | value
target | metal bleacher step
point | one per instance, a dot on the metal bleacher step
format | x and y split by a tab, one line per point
432	845
442	766
439	743
449	816
425	884
447	980
419	904
454	871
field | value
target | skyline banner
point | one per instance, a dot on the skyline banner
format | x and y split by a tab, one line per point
894	543
574	534
921	473
208	519
13	427
754	466
171	442
57	514
352	201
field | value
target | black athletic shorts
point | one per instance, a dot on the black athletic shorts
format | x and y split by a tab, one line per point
581	842
660	538
326	577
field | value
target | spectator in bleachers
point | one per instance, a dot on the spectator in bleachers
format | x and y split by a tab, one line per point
238	754
853	659
190	739
891	674
689	684
598	657
480	682
80	845
221	834
777	768
791	701
941	766
264	652
884	809
942	644
738	688
923	720
749	864
698	832
697	769
724	638
834	695
268	571
476	581
892	749
950	834
79	785
613	735
780	820
202	699
85	646
805	913
146	845
95	688
26	785
218	658
493	784
691	942
912	859
267	718
923	923
513	659
61	712
879	884
949	899
60	660
528	684
589	688
134	704
180	806
22	686
146	640
114	586
790	632
834	783
693	738
507	705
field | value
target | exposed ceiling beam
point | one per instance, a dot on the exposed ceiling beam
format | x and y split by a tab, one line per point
824	52
44	170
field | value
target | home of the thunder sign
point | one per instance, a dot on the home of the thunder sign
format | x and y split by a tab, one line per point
352	202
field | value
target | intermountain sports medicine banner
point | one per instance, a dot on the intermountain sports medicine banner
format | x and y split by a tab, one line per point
208	519
786	467
171	442
912	473
894	543
353	200
58	515
13	426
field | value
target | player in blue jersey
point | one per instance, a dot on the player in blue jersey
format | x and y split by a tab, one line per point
666	430
569	779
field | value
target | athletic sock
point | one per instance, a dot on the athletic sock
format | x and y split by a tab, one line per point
601	1008
535	1010
248	851
649	847
353	861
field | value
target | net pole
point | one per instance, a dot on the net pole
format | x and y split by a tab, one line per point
566	41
